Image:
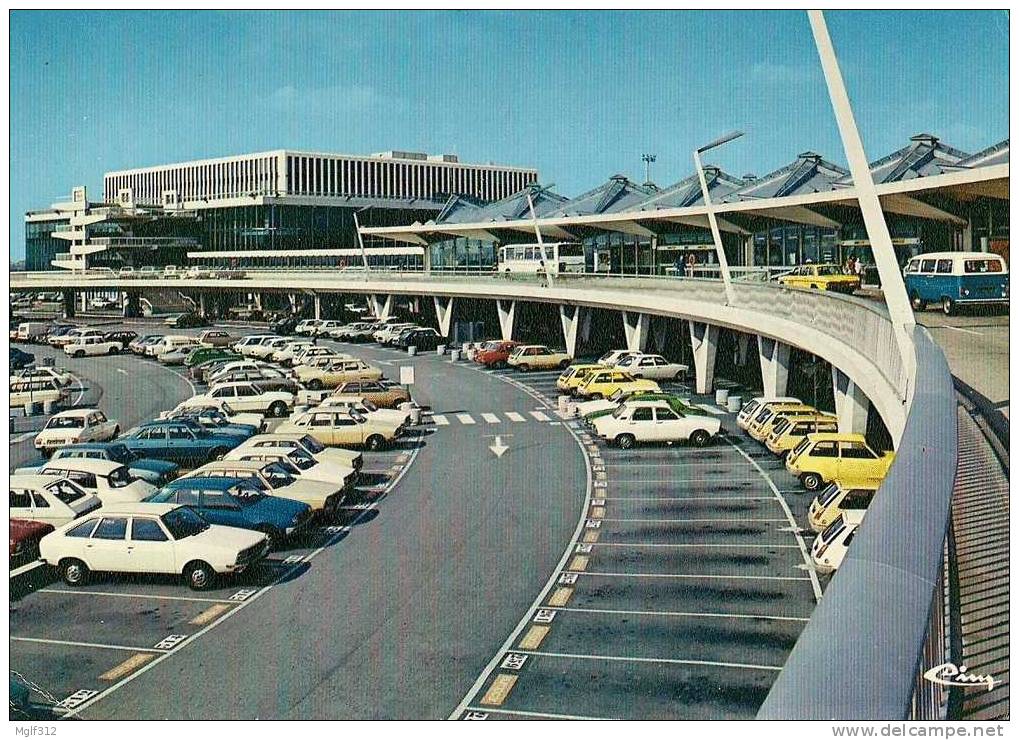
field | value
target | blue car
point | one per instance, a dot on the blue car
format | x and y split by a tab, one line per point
215	421
180	440
21	359
235	502
153	471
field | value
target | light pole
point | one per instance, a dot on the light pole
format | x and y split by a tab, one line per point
648	159
723	263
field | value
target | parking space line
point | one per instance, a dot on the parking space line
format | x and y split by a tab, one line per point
491	418
706	615
440	420
722	520
539	416
537	715
514	416
72	643
114	594
674	481
27	568
465	418
634	659
713	576
693	544
691	498
499	690
210	614
130	665
685	464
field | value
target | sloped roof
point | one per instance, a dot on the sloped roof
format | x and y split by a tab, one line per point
926	155
687	192
995	154
511	208
808	173
618	193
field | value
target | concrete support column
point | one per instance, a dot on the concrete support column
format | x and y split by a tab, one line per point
426	258
507	312
742	348
774	366
382	308
585	326
635	326
658	334
851	406
132	305
444	313
318	305
69	306
201	304
292	297
704	341
256	298
967	237
570	318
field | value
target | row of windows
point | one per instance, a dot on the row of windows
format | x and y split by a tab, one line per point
385	179
198	181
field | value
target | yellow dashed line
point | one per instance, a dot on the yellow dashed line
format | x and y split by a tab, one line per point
560	597
579	562
210	614
499	690
597	512
532	640
591	536
130	665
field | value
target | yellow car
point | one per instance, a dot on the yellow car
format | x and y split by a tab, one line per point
825	457
574	375
335	373
764	421
537	357
787	433
821	277
606	383
835	499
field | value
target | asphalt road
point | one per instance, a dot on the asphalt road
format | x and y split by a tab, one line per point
392	614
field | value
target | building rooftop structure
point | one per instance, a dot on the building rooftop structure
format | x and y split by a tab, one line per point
618	193
512	208
687	192
808	173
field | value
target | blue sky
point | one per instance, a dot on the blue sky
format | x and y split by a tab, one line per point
578	95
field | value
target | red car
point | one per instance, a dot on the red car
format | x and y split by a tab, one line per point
25	536
495	354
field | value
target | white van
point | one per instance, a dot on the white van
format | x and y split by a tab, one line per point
245	345
830	547
33	331
169	343
37	390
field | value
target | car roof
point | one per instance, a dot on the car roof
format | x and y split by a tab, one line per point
31	479
640	403
295	436
774	399
76	412
84	464
128	508
212	482
959	255
232	465
836	437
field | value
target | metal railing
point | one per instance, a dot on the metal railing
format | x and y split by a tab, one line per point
882	622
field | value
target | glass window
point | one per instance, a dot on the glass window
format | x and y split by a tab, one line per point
20	499
66	491
180	433
40	501
642	414
187	497
982	266
665	415
82	530
927	266
111	528
857	451
824	449
945	266
147	530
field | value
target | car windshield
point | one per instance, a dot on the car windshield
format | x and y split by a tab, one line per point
278	474
618	413
247	493
828	494
618	396
369	406
832	531
226	408
119	477
216	417
828	270
302	460
65	491
184	522
66	422
312	445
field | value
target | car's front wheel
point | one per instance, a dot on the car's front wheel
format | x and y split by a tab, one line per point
315	384
375	442
278	409
524	368
79	353
112	351
812	481
700	438
919	304
564	364
948	306
74	572
218	453
626	441
199	575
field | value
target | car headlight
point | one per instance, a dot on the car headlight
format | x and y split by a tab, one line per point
965	291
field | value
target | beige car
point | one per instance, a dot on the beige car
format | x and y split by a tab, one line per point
277	479
334	373
367	408
537	357
340	427
379	393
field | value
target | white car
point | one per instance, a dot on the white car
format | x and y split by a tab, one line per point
62	377
278	479
92	346
830	547
44	498
36	391
171	343
601	404
236	366
324	328
613	356
298	462
367	408
287	352
391	331
151	538
264	350
751	407
246	345
248	397
111	481
655	367
73	336
307	326
306	443
308	353
655	421
74	426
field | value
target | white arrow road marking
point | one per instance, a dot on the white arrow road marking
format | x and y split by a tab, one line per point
122	371
498	447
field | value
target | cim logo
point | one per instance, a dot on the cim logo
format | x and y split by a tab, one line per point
948	674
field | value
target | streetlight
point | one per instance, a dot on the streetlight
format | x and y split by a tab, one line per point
648	159
723	263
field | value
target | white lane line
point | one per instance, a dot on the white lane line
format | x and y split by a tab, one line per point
553	578
726	520
959	328
714	576
727	545
538	715
491	418
721	480
121	370
116	595
341	532
711	409
81	390
633	659
27	568
104	646
23	437
440	420
686	464
706	615
514	416
804	552
736	499
539	416
465	418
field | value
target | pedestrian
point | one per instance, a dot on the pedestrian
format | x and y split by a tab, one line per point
858	268
543	273
691	265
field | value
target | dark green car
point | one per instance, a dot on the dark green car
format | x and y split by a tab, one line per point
201	355
675	402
